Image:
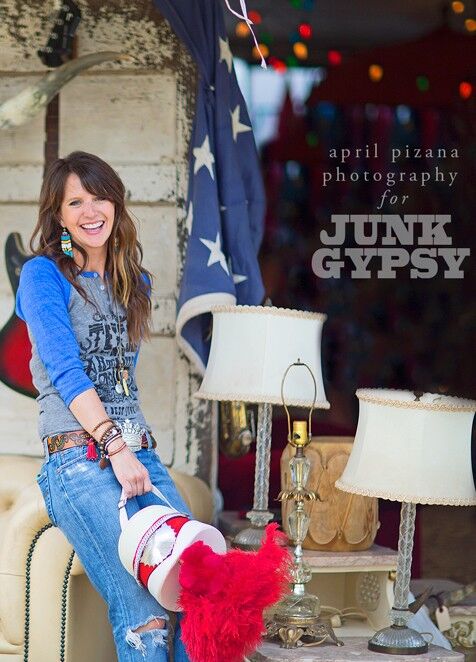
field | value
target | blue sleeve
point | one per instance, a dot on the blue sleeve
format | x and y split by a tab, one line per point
148	283
42	302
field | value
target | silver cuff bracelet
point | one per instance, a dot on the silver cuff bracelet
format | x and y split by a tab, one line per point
132	434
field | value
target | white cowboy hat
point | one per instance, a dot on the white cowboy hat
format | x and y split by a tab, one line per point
152	541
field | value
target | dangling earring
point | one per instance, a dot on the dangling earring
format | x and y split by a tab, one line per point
66	246
116	244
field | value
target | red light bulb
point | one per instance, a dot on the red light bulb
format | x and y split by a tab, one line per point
334	58
255	17
305	30
465	89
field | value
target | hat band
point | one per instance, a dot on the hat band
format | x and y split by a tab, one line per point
164	519
145	538
146	570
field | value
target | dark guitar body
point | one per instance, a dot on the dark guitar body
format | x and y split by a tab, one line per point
15	346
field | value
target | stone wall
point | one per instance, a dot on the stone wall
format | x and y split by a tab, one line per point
138	117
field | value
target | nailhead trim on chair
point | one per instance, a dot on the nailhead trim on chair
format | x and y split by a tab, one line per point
27	589
64	596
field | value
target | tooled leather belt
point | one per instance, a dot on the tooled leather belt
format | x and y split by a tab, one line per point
60	442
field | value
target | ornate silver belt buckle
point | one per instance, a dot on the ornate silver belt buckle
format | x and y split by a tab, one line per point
132	434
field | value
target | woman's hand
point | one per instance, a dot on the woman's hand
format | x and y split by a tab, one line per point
132	475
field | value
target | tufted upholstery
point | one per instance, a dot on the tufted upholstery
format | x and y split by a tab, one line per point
22	515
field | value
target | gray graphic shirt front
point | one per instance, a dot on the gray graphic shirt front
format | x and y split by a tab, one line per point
75	345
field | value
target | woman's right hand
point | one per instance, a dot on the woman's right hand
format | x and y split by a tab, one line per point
131	474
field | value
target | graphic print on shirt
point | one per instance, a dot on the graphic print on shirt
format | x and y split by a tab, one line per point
99	354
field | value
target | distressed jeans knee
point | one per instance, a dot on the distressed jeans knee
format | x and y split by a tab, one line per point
92	526
147	641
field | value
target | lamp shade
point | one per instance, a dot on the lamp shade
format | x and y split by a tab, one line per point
413	450
251	348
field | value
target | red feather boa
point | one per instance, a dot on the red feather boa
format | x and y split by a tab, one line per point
224	595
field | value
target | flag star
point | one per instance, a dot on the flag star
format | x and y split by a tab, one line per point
189	219
216	253
225	53
236	125
203	157
237	278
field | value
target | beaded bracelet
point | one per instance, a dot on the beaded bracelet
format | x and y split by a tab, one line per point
96	427
112	431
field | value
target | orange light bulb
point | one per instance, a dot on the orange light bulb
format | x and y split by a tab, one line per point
300	50
264	51
375	73
242	29
470	25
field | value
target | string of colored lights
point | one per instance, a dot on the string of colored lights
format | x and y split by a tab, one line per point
304	32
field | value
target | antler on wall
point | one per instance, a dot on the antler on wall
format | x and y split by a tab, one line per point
26	104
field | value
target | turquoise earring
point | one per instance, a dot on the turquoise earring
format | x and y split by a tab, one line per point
66	245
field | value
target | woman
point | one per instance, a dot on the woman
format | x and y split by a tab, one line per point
85	299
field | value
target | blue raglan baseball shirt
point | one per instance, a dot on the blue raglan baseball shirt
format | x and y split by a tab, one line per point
74	345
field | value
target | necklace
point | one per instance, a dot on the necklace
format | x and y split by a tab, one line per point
121	372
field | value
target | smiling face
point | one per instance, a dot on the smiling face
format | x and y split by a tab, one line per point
88	218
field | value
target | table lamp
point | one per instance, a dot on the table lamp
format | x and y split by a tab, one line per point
413	448
297	614
251	348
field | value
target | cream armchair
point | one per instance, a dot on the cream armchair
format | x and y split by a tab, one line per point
60	592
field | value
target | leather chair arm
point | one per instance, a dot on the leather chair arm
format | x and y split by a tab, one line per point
196	494
47	571
26	517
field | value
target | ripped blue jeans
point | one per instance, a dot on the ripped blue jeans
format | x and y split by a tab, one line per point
81	500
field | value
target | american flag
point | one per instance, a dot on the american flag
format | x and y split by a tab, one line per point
225	202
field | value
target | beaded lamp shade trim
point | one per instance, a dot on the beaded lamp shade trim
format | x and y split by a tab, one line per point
265	399
270	310
408	498
375	396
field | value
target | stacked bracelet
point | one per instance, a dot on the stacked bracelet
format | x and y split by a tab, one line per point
110	440
96	427
111	432
118	450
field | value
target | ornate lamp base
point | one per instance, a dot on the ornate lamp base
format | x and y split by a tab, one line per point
249	539
398	640
291	632
296	616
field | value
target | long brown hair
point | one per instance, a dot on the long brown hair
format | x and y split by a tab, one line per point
124	251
